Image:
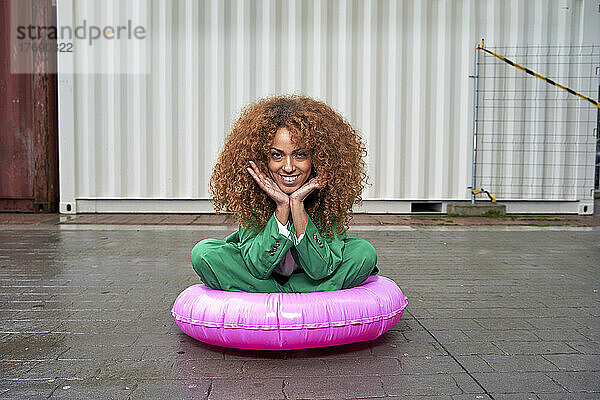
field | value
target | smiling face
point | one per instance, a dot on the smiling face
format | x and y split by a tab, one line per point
289	165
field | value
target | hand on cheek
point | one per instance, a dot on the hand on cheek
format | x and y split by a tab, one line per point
267	185
318	182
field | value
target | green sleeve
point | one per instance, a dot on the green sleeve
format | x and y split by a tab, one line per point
263	250
320	257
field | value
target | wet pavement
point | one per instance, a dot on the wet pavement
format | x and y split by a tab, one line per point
494	312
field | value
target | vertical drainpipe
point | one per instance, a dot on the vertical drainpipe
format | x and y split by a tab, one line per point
475	102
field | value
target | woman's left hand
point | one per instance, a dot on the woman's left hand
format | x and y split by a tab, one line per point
318	182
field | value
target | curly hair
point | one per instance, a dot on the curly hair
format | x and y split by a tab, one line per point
335	147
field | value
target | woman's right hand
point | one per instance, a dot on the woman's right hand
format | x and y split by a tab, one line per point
267	184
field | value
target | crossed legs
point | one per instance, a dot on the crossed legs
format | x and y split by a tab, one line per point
221	266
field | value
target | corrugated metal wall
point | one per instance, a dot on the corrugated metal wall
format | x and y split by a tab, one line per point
398	70
28	114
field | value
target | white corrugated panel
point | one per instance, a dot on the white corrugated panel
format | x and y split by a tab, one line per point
397	70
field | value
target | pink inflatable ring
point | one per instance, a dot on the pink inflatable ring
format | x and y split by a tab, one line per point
286	321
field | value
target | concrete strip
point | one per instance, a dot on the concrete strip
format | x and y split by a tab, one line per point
353	228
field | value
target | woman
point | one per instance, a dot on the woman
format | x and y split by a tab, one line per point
290	170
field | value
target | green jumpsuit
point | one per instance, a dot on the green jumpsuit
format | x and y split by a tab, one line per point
245	260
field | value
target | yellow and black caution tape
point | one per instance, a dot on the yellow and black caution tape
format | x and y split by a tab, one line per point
491	196
533	73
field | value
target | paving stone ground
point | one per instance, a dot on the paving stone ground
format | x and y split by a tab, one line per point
492	314
414	220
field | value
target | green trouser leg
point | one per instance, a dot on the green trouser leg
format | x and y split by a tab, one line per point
359	260
221	266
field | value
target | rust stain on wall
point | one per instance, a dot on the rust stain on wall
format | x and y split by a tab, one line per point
28	119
